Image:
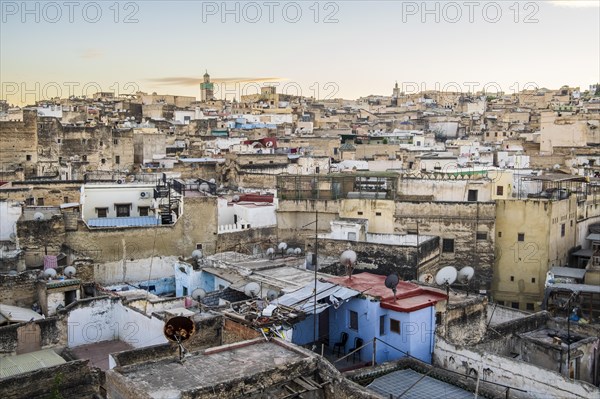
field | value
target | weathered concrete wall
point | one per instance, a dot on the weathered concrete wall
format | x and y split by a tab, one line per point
536	381
385	259
459	221
18	290
295	218
465	322
74	380
19	141
236	332
244	241
53	334
38	237
197	225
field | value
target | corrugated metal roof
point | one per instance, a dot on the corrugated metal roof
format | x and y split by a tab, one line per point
304	298
13	365
414	385
593	237
568	272
16	314
124	222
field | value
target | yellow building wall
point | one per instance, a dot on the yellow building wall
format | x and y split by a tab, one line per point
380	213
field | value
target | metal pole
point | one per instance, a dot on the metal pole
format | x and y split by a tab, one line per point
315	265
374	352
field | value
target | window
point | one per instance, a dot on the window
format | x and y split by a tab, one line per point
533	279
512	278
395	326
117	159
28	157
123	210
501	303
499	234
472	196
382	325
353	320
352	236
530	306
143	210
102	212
562	230
58	141
103	160
482	235
360	213
520	236
514	305
377	213
499	190
40	201
84	158
66	200
116	141
448	245
198	246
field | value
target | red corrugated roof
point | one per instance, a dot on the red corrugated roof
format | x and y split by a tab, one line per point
409	296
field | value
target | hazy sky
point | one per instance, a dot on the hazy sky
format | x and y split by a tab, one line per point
326	49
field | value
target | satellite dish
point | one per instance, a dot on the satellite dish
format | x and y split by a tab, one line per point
49	273
70	271
446	275
198	294
204	187
196	254
38	216
290	251
270	251
235	198
252	289
465	274
12	237
391	282
179	329
298	251
426	278
282	246
272	295
213	181
13	273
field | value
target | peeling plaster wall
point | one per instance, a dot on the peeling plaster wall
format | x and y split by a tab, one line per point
538	382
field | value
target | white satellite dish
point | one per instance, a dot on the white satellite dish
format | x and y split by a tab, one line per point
38	216
465	274
198	294
272	295
196	254
12	237
235	198
298	251
204	187
446	275
70	271
290	251
282	246
49	273
252	289
426	278
348	260
213	181
270	251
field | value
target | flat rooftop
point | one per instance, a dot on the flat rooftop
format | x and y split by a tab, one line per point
414	385
169	378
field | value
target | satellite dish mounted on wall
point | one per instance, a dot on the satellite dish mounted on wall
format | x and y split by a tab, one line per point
38	216
391	282
348	260
198	294
179	329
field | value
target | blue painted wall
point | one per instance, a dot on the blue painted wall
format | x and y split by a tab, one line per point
416	336
160	286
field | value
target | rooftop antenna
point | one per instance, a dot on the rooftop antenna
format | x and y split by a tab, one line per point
348	259
391	282
179	329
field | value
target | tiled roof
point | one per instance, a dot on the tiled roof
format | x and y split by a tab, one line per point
14	365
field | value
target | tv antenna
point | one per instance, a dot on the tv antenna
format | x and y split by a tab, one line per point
348	259
391	282
179	329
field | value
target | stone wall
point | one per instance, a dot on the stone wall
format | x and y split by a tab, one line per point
245	241
18	290
534	380
19	141
236	332
73	380
53	334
